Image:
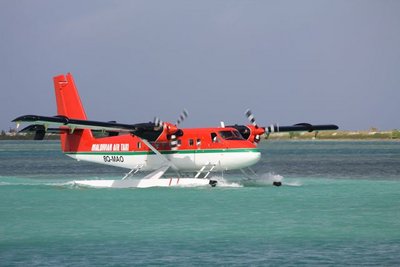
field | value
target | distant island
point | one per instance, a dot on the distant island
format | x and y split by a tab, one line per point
372	134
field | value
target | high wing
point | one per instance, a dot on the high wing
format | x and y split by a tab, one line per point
253	132
301	127
42	124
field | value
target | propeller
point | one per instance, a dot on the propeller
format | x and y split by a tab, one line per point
174	137
257	131
251	118
157	122
173	132
184	114
269	129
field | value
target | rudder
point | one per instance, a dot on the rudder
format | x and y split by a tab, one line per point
69	105
68	101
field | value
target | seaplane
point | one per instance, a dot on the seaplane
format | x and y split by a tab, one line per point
153	147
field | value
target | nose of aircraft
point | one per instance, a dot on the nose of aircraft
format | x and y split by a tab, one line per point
246	159
252	158
240	160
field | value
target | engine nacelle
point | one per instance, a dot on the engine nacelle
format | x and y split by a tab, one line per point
255	133
170	132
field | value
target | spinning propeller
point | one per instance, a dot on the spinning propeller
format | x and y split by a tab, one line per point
184	114
252	120
172	131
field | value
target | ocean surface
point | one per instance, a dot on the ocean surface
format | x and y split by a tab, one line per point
339	205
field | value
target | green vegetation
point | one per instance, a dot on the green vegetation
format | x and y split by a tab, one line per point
396	134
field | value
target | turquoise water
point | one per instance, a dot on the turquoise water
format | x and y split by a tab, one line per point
339	205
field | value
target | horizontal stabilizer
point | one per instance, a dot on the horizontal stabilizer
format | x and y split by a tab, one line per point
35	128
40	131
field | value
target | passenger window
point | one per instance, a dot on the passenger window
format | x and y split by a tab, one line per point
191	142
214	138
198	141
139	145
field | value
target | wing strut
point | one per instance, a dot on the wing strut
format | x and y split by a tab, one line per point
157	173
161	156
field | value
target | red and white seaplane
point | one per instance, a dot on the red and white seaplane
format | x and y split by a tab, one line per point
153	147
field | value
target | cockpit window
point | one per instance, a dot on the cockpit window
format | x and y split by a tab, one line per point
231	135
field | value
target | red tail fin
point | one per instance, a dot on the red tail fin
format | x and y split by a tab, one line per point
69	104
68	101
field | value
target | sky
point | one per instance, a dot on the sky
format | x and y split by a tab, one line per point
319	61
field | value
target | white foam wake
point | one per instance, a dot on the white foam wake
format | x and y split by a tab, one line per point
222	182
294	183
12	181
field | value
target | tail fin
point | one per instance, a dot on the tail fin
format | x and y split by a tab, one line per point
69	105
68	101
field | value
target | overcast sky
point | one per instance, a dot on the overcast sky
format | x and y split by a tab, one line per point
289	61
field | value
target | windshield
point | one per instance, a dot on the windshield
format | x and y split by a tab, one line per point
230	135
